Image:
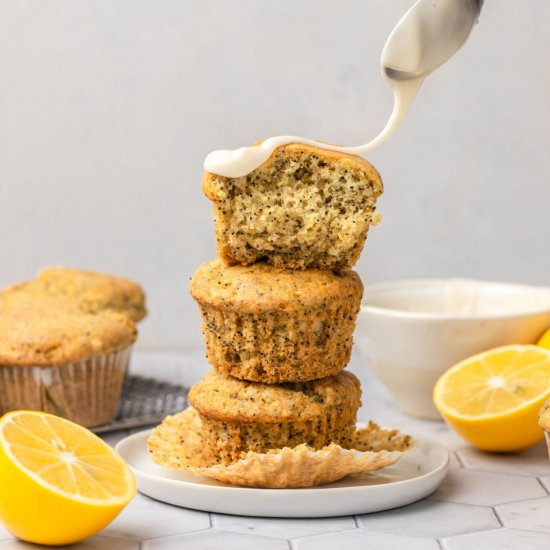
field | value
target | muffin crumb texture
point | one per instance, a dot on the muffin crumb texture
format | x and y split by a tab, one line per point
304	207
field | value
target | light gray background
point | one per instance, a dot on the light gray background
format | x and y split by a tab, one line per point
108	107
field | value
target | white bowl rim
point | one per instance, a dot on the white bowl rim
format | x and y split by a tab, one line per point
415	282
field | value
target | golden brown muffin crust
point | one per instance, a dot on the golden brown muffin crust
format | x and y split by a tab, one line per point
54	331
95	291
354	162
544	416
260	287
227	399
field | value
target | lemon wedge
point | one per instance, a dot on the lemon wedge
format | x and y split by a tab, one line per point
492	399
59	483
544	340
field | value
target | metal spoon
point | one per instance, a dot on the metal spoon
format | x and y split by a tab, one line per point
429	34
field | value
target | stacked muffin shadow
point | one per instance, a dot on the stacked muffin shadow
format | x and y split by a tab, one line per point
279	306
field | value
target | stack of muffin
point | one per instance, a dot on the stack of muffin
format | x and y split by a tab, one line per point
279	307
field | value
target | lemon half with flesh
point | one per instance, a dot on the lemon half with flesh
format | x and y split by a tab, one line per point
492	399
59	483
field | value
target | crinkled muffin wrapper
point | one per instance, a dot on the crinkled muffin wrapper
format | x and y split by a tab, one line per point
86	392
177	443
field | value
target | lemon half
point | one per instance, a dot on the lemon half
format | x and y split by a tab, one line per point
59	483
492	399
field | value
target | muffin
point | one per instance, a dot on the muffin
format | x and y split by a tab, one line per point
57	358
544	421
93	291
270	325
303	207
238	416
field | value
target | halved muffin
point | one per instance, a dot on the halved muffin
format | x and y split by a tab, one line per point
272	325
239	416
304	207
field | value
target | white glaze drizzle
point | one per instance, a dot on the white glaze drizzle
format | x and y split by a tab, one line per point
426	36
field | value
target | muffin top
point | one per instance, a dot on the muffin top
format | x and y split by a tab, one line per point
56	331
95	291
544	416
228	399
213	185
261	287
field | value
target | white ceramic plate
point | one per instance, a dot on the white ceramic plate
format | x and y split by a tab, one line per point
414	477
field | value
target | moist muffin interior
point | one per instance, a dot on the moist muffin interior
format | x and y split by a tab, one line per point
303	208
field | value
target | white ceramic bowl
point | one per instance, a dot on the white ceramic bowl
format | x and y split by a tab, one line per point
411	331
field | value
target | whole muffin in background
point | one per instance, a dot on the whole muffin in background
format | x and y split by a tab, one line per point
305	207
239	416
270	325
57	358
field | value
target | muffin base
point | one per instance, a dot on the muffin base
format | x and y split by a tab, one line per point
230	441
277	347
178	443
85	392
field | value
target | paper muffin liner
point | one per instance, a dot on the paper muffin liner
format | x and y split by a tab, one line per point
86	392
177	443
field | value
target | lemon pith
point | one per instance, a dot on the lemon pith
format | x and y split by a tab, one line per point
59	483
492	399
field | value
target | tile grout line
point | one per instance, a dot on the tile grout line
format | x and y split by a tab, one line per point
542	485
497	515
459	460
163	537
315	534
504	473
430	497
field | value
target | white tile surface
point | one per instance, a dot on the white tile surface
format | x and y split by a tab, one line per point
532	462
431	518
216	540
94	543
531	515
283	528
499	539
4	533
359	539
546	482
145	518
486	489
